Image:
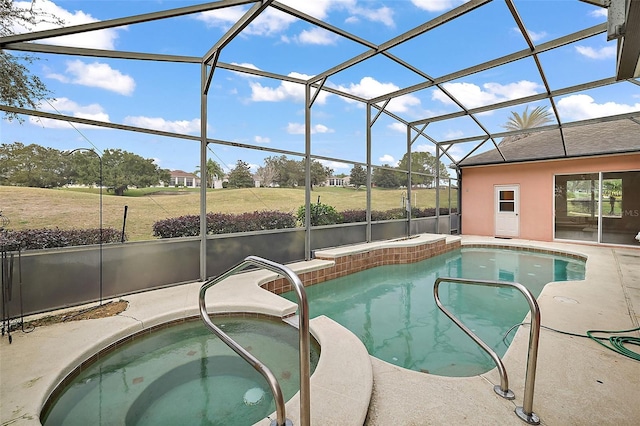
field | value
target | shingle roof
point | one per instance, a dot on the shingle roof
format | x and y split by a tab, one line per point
592	139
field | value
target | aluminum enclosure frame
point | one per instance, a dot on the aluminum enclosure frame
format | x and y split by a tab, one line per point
209	63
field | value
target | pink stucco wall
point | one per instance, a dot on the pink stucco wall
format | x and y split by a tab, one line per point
536	191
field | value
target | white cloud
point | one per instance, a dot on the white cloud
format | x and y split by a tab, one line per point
222	18
158	123
103	39
426	148
272	21
298	129
68	107
285	91
388	159
369	88
398	127
472	96
453	134
334	164
384	15
246	65
602	53
534	35
599	12
436	5
261	139
317	36
581	107
96	74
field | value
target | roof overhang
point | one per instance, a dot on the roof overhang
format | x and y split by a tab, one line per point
628	63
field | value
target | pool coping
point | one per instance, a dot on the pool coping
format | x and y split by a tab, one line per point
51	351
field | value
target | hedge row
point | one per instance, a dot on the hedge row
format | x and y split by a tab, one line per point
223	223
321	214
33	239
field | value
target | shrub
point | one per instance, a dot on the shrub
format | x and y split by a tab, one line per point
321	214
223	223
183	226
351	216
33	239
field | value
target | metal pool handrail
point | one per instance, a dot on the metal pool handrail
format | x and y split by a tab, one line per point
303	331
526	411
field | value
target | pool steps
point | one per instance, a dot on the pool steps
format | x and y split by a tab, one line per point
344	363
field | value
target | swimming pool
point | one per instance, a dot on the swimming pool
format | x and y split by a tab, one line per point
391	308
184	375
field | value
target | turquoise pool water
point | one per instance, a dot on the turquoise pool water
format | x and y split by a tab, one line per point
184	375
392	310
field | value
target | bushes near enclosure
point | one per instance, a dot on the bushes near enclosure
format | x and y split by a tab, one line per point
321	214
33	239
223	223
217	223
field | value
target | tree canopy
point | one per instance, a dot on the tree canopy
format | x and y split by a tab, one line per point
423	163
33	165
37	166
385	178
358	176
290	173
120	170
18	87
240	176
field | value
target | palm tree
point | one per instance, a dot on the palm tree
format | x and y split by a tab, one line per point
538	117
214	170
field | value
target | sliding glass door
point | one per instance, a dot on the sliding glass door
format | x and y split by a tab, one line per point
598	207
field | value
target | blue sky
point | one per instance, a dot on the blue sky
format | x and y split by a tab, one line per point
269	113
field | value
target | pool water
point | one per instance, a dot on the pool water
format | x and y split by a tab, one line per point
393	312
184	375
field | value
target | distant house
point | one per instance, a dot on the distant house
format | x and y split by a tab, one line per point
184	179
578	185
337	181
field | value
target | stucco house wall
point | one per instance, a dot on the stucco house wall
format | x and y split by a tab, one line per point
536	182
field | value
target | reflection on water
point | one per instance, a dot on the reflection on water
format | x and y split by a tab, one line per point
184	375
392	310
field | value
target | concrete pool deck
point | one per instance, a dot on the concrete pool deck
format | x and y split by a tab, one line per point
577	381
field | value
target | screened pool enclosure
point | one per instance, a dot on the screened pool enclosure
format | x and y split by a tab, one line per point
453	109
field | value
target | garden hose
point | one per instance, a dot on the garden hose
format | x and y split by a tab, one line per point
615	343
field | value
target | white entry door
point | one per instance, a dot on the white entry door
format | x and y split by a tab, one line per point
507	210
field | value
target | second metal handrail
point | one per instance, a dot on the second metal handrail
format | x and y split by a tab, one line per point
304	346
526	411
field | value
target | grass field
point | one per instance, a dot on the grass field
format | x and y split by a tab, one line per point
31	208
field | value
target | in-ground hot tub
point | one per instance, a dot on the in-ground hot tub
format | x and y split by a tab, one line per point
183	374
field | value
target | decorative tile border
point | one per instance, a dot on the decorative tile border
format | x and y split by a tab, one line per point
351	263
528	249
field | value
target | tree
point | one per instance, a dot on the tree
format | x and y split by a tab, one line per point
287	172
538	117
33	165
319	173
120	170
424	163
385	178
267	174
358	176
214	170
240	176
18	87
